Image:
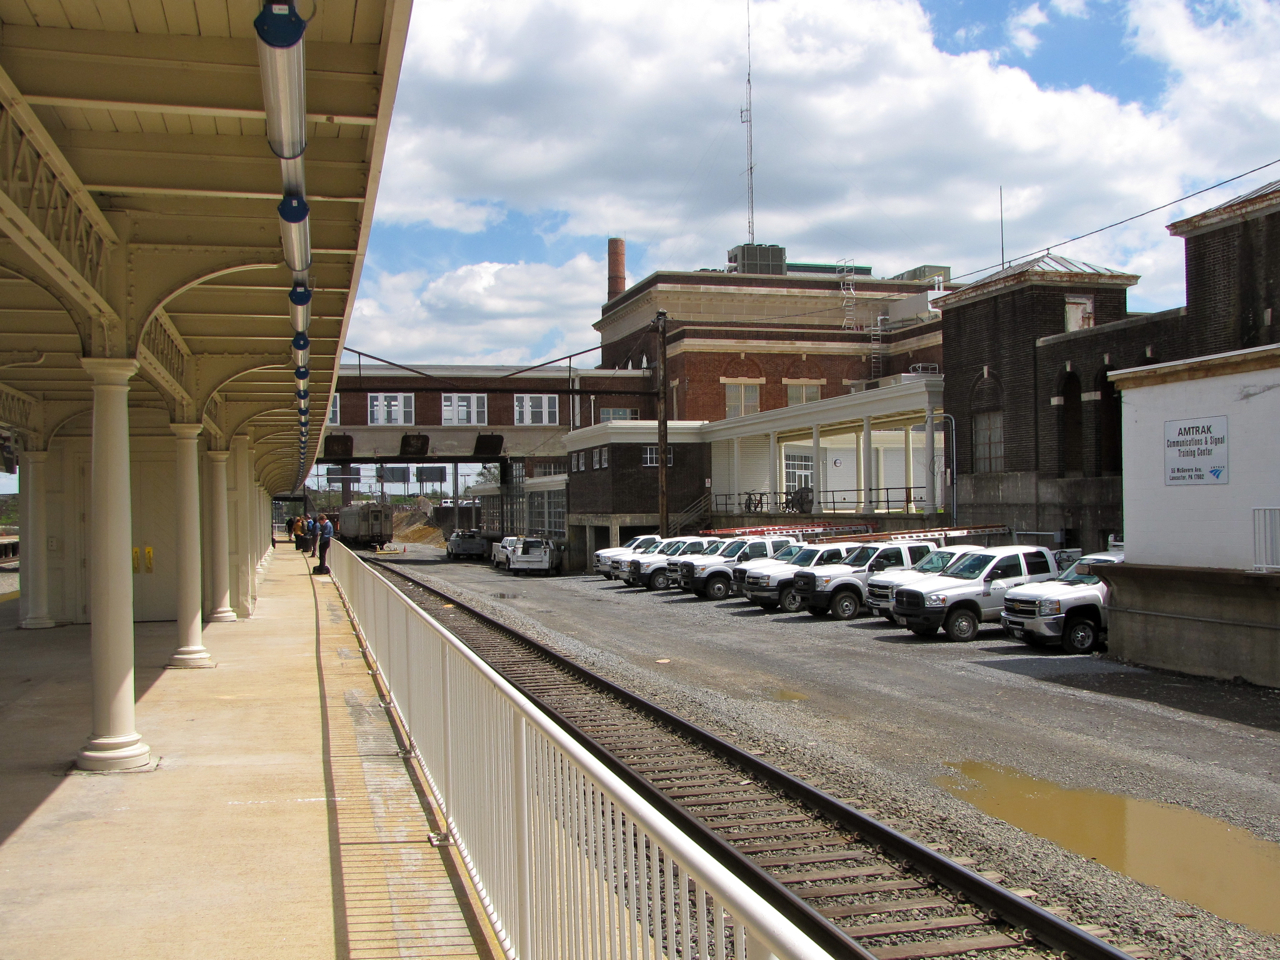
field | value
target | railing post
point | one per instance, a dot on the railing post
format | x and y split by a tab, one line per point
446	732
524	885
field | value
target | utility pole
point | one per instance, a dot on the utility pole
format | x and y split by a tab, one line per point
660	323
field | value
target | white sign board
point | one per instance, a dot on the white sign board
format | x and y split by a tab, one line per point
1195	451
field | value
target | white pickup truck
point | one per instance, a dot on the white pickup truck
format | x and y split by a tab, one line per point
1071	610
840	588
970	592
740	572
534	554
881	586
772	586
652	570
603	559
711	575
502	551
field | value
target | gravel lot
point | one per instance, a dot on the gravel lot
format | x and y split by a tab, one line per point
868	711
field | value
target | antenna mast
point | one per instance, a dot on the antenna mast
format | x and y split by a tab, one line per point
745	116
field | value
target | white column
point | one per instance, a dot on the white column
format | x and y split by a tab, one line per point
908	471
930	475
191	650
737	473
222	611
35	548
114	744
817	468
868	451
773	464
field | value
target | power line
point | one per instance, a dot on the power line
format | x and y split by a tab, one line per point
1120	223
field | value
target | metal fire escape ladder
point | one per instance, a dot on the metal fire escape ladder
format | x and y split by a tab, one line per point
848	293
877	333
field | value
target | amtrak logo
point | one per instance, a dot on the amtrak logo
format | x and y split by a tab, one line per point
1217	472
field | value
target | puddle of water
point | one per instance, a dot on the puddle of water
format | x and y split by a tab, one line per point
1225	869
792	695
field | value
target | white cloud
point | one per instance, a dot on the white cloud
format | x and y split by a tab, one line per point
481	313
1022	28
622	119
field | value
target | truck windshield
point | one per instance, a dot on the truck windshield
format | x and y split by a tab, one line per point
1076	575
652	548
935	562
860	557
714	547
631	542
806	557
969	567
786	553
672	548
733	548
694	547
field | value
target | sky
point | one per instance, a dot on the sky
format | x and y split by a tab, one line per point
527	133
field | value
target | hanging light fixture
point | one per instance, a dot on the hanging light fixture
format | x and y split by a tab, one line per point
301	349
300	307
282	61
295	232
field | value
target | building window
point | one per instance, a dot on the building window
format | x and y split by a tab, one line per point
798	393
988	442
618	413
464	410
537	408
548	468
604	457
798	471
650	458
333	410
1079	313
390	409
595	459
741	399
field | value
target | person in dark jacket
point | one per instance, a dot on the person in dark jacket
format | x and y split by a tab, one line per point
324	533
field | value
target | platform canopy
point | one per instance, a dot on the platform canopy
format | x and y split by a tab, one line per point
139	214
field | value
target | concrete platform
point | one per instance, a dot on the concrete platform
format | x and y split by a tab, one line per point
279	822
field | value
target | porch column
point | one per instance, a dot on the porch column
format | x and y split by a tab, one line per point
737	473
191	650
114	744
773	465
930	475
34	564
221	546
817	468
868	451
908	472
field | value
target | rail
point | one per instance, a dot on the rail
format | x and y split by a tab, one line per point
804	500
568	859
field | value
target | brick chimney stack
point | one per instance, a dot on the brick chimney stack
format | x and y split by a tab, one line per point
617	266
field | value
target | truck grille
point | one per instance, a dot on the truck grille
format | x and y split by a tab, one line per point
910	599
757	580
739	576
880	594
686	568
635	567
804	583
1020	608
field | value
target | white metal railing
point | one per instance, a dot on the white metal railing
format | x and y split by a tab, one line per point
569	861
1266	539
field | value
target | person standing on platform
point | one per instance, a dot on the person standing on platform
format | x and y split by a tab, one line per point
313	534
296	529
324	532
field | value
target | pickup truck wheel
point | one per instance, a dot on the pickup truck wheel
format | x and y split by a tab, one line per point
789	600
717	588
657	581
1079	635
845	605
962	626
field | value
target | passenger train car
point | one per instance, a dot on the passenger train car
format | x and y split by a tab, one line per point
365	524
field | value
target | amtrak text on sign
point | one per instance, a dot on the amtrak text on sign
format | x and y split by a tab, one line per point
1195	451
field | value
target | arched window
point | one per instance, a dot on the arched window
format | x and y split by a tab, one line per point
986	405
1071	436
1109	449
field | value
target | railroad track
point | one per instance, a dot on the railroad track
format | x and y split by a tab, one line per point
861	886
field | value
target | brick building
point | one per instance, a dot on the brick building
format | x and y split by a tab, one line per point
1028	349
